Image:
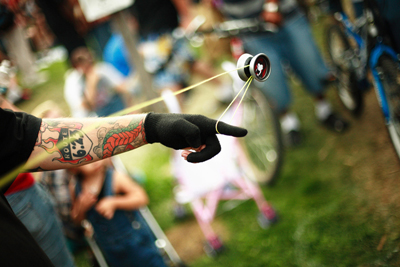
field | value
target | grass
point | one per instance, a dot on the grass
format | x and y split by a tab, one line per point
52	89
326	218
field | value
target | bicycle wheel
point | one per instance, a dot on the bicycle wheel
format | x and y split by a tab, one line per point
389	76
263	145
341	56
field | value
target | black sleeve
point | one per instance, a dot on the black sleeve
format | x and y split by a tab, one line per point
18	134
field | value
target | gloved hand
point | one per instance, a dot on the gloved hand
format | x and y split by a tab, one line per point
180	131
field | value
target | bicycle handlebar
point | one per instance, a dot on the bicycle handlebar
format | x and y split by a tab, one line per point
238	27
258	66
224	29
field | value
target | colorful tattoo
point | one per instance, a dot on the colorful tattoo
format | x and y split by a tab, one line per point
72	145
119	140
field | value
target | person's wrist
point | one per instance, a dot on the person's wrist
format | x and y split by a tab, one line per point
113	202
150	125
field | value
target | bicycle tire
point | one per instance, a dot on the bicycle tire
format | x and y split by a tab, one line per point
389	75
339	48
263	144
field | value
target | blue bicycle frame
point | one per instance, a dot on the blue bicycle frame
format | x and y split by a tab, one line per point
379	49
375	54
362	49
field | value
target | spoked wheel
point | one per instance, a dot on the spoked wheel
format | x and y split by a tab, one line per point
342	57
263	145
389	75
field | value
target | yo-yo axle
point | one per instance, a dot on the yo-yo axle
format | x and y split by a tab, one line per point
258	67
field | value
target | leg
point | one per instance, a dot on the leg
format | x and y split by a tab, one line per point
390	12
62	28
20	51
34	208
275	88
304	55
307	62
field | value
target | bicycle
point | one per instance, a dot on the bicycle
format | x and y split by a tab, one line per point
358	48
263	146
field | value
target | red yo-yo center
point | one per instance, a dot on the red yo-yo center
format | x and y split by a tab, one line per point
258	67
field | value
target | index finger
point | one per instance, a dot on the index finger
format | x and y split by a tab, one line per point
227	129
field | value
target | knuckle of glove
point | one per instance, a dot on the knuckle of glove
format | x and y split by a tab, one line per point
192	136
179	133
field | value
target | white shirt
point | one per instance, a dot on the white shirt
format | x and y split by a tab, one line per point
74	87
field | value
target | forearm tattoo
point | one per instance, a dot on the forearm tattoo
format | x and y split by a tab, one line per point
71	144
67	141
117	140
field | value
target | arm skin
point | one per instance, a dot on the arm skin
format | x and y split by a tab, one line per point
128	196
66	143
5	104
90	91
81	204
183	8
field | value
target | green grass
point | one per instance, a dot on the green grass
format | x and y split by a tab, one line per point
325	217
52	89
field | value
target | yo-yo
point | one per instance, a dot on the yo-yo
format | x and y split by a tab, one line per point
258	67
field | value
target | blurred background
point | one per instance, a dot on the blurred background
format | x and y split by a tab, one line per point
337	195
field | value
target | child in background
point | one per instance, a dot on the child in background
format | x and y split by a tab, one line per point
109	201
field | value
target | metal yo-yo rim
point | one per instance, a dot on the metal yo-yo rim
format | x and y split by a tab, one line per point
266	66
244	73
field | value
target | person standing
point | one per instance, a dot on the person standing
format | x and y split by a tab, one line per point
293	44
94	87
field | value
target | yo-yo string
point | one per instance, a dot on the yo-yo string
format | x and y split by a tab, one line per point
159	99
7	178
247	85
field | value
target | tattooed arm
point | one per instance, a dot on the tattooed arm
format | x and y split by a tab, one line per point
65	143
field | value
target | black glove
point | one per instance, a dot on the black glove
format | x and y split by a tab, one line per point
183	130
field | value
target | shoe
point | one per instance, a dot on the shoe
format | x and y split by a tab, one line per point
329	79
335	123
290	126
292	138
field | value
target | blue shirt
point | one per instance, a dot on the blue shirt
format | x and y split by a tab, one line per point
116	54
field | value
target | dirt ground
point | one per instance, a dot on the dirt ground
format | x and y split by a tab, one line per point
375	165
189	249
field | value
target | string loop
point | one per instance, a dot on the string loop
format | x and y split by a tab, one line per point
247	85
